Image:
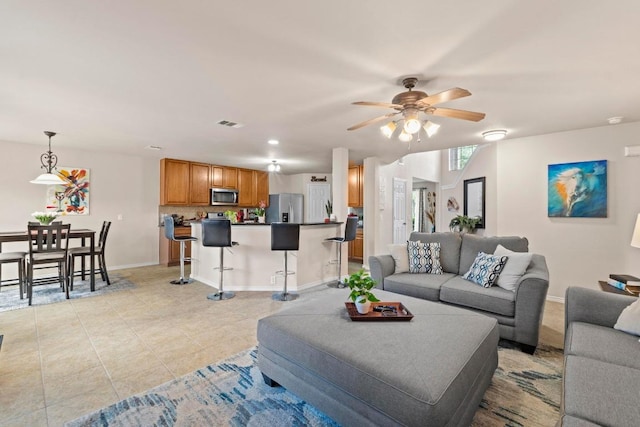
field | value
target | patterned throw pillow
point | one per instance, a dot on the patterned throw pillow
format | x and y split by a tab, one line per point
424	257
485	269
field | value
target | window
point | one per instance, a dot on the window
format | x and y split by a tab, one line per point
459	156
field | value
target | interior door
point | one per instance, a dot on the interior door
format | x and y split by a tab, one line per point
399	210
317	196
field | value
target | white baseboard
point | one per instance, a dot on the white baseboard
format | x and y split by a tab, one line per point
122	267
555	299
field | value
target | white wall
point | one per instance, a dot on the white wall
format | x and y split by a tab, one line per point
579	251
125	185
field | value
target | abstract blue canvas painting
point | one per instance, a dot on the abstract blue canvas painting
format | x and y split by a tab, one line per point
578	189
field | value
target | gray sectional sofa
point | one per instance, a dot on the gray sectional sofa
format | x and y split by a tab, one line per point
601	381
519	312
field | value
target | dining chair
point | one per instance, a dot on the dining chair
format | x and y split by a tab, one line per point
48	244
84	251
19	259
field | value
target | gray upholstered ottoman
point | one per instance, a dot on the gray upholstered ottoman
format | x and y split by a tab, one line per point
431	371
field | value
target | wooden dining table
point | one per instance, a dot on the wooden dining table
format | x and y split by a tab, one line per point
78	233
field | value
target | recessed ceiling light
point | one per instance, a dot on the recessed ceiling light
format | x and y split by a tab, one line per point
273	142
494	135
614	120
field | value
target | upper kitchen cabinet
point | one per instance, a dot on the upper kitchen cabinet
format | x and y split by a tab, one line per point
253	186
224	177
199	183
174	182
356	184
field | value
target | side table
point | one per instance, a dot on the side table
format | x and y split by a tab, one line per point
612	289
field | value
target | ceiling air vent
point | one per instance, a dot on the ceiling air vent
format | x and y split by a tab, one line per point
230	124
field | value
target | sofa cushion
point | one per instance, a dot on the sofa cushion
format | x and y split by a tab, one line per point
449	248
601	392
464	293
629	320
514	268
485	269
424	257
425	286
400	256
472	244
602	343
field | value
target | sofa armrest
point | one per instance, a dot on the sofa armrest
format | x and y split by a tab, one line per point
381	266
596	307
531	294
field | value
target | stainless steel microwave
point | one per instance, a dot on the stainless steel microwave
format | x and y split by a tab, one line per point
224	196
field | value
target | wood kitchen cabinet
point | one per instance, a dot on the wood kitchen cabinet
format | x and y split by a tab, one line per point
224	177
199	184
253	186
356	247
170	249
356	184
174	182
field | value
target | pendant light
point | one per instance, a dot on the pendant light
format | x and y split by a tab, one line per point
274	167
49	162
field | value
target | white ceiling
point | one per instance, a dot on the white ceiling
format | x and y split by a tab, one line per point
120	75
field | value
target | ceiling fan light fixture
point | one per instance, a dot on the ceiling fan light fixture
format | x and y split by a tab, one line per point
405	137
430	128
494	135
411	122
388	129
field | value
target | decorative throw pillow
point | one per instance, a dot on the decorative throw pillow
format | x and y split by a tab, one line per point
485	269
629	319
400	256
424	257
514	268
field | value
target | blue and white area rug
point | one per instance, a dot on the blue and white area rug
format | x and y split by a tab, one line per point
525	391
50	293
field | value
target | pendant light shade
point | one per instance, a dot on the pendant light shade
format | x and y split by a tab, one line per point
273	167
49	161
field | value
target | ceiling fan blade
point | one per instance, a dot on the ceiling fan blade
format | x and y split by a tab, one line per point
370	121
447	95
378	104
456	114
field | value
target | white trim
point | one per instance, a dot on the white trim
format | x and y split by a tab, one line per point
122	267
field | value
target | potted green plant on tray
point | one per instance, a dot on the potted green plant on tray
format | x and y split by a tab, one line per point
360	284
464	224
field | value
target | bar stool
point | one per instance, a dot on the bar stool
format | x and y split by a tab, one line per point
285	236
169	233
349	235
217	233
18	258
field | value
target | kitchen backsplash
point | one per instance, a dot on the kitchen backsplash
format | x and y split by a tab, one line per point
189	212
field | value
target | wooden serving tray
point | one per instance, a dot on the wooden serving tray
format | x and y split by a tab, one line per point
402	314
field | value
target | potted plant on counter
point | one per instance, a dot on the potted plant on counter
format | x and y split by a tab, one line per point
360	284
260	211
328	207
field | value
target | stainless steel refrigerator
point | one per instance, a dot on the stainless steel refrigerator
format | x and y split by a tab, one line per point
285	207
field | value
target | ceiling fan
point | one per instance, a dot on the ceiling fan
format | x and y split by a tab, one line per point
412	102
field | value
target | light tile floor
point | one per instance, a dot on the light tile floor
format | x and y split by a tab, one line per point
60	361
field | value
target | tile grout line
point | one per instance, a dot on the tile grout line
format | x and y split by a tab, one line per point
44	395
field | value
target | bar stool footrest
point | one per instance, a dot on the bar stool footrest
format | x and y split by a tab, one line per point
181	281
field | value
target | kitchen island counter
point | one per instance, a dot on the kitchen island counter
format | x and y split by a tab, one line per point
254	263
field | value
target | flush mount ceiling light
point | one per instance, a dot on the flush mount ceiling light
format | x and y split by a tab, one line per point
614	120
273	167
273	142
494	135
411	104
49	162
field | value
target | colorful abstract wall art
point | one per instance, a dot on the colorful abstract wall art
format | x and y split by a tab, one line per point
72	197
578	189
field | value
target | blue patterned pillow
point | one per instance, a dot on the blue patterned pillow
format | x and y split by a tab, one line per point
485	269
424	257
